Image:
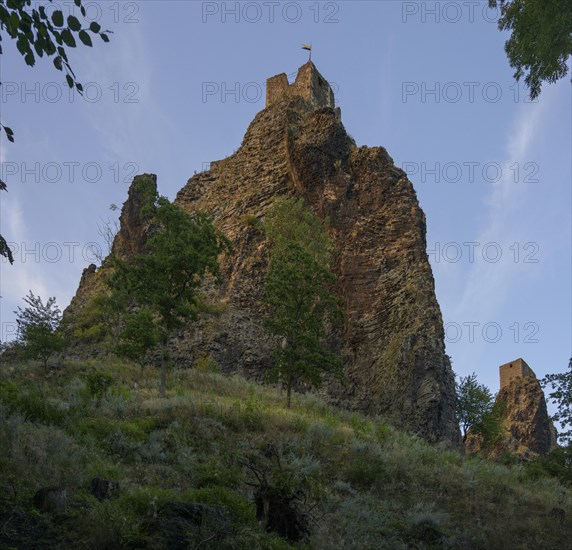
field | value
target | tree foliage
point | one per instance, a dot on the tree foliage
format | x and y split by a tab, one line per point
38	32
298	293
182	250
561	384
37	328
541	39
474	403
139	335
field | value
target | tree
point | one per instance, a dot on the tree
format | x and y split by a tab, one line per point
561	384
182	250
139	335
37	328
474	403
37	33
297	294
541	39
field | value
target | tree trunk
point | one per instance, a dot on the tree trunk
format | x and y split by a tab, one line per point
163	384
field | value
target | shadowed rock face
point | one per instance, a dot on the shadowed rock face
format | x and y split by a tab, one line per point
526	427
526	416
130	240
393	339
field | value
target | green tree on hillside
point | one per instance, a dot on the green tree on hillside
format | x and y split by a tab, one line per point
541	39
183	248
298	293
474	403
139	335
561	384
37	328
40	32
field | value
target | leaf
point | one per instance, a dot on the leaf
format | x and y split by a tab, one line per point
69	80
68	38
58	64
30	59
14	23
104	37
95	27
5	250
85	38
9	133
39	47
2	186
58	18
73	23
22	44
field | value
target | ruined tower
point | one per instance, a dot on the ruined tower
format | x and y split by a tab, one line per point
309	84
513	370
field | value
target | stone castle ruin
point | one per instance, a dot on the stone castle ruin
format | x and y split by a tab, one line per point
513	370
309	84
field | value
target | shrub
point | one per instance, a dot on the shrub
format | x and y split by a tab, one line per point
98	382
241	508
250	220
425	525
206	363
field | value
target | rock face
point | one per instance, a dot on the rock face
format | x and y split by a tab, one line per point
526	417
527	428
393	340
130	240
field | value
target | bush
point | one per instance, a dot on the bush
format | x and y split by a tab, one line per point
250	220
557	463
206	363
98	382
425	525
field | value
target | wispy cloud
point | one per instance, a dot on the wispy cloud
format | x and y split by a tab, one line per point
487	283
130	123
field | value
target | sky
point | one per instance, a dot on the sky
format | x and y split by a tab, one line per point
179	82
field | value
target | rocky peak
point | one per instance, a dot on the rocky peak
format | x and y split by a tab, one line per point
393	340
526	419
526	427
134	219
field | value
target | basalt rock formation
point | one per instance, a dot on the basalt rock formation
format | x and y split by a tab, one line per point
130	240
392	343
526	427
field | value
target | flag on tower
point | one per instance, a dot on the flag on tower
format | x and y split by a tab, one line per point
306	47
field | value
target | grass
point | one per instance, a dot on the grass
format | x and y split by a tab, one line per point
215	442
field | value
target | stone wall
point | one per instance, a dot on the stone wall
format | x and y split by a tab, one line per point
309	84
512	370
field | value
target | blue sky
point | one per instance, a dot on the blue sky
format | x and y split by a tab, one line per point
179	83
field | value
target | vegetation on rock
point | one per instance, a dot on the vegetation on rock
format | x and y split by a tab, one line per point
298	294
163	282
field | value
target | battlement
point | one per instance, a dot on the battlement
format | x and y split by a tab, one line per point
309	84
514	369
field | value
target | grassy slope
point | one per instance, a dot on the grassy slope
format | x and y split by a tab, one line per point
371	487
